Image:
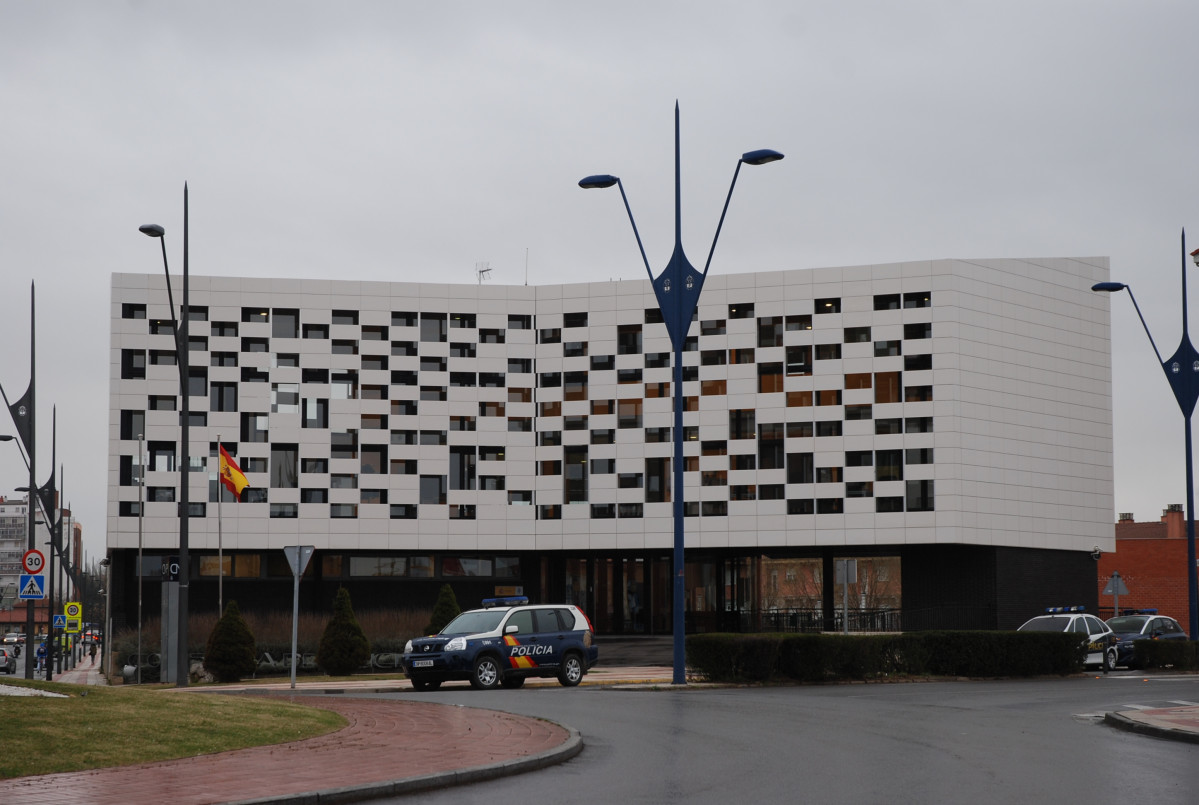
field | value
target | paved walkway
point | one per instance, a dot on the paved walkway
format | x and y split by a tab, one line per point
390	747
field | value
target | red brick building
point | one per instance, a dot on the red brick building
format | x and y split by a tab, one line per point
1152	560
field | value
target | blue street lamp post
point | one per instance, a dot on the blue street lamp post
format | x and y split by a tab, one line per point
677	290
180	328
1182	373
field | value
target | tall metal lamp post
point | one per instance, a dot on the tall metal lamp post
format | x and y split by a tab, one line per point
180	327
1182	373
677	290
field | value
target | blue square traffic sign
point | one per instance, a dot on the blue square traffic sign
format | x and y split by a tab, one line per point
33	588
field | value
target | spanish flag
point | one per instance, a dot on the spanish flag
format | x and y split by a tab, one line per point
231	475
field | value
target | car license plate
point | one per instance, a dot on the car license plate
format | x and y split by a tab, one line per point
422	663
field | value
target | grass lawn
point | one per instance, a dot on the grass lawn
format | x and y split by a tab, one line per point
99	726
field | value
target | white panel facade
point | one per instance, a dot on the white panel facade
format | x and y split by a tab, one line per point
948	401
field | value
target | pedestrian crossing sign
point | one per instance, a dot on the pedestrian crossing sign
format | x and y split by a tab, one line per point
60	621
33	587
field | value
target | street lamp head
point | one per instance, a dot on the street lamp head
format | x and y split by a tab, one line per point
599	180
152	230
5	437
761	156
1108	287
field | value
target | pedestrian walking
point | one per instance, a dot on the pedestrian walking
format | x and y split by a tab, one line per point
92	651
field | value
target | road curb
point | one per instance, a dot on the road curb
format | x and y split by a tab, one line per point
1123	722
572	746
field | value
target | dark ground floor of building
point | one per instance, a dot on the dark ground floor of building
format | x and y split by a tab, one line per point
899	588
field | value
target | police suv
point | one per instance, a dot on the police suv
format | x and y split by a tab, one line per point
502	644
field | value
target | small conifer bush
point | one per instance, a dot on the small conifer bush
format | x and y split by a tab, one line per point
344	647
230	654
444	611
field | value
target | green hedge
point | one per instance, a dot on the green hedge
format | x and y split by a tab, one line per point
1179	655
823	657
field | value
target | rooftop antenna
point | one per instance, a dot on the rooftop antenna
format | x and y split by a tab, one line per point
526	265
482	271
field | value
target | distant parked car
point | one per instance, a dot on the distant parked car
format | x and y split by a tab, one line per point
1143	625
1098	637
8	660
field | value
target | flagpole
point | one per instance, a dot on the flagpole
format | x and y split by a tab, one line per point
220	554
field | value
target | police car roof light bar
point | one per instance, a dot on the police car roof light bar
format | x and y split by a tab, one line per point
508	601
1056	610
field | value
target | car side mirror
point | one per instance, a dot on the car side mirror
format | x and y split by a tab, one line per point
511	628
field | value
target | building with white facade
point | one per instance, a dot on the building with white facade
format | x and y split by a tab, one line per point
946	422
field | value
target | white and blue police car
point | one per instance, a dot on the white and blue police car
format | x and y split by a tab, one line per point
1094	633
504	643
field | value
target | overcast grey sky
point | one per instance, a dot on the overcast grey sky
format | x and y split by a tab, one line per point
401	140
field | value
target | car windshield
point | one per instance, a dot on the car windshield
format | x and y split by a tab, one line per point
1127	623
481	620
1049	624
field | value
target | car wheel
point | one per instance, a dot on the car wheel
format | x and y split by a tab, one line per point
486	674
1109	660
425	684
512	682
571	672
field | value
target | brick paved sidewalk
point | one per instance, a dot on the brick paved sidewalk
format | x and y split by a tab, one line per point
385	750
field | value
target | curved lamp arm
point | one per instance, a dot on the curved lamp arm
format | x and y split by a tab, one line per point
602	180
759	157
1113	287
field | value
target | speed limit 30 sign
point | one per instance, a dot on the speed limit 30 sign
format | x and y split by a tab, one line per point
33	561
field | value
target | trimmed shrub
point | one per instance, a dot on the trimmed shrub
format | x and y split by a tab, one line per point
1181	655
444	611
229	654
826	657
343	648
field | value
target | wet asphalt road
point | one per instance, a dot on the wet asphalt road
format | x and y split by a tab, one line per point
1023	741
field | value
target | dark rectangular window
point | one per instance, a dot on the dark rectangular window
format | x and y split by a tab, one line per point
917	331
223	397
551	335
133	424
224	329
285	467
886	426
345	317
770	446
255	315
741	310
319	331
433	489
628	339
800	468
433	327
857	335
920	496
918	299
742	423
916	363
770	331
829	305
919	424
462	467
133	364
285	323
403	318
888	465
887	301
575	475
